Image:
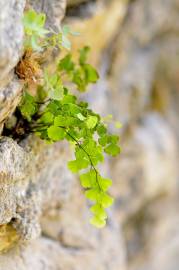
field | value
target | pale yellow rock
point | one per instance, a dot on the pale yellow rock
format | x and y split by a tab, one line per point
8	237
99	30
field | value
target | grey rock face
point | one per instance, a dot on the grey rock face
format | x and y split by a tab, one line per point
137	52
16	198
153	145
47	254
11	34
9	98
11	40
13	169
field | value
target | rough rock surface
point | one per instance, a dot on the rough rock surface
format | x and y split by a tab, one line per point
42	207
13	168
156	143
11	40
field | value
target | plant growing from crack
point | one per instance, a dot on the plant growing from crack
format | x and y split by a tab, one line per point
54	114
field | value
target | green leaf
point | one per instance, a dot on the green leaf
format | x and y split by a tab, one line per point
56	133
106	200
92	194
79	79
60	121
83	55
103	140
66	63
94	150
81	117
72	108
104	183
34	28
56	93
28	106
65	121
53	86
101	129
112	149
97	222
91	74
88	179
77	165
68	99
53	107
41	94
83	104
47	118
98	211
91	121
113	139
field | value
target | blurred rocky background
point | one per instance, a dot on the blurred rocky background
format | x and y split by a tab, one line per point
43	214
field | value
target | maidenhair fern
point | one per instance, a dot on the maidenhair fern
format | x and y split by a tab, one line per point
54	114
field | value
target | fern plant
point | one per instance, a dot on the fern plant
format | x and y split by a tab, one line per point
55	114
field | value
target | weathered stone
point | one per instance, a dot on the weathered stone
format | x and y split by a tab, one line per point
13	173
8	237
9	99
11	40
11	34
105	24
36	256
155	236
150	152
136	53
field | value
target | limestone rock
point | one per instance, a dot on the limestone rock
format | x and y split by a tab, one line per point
105	24
155	236
8	237
11	40
9	98
11	34
150	153
13	172
47	254
136	53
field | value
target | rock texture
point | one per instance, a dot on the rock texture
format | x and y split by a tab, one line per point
11	34
43	213
11	39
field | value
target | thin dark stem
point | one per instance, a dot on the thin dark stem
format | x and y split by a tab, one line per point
92	165
40	128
